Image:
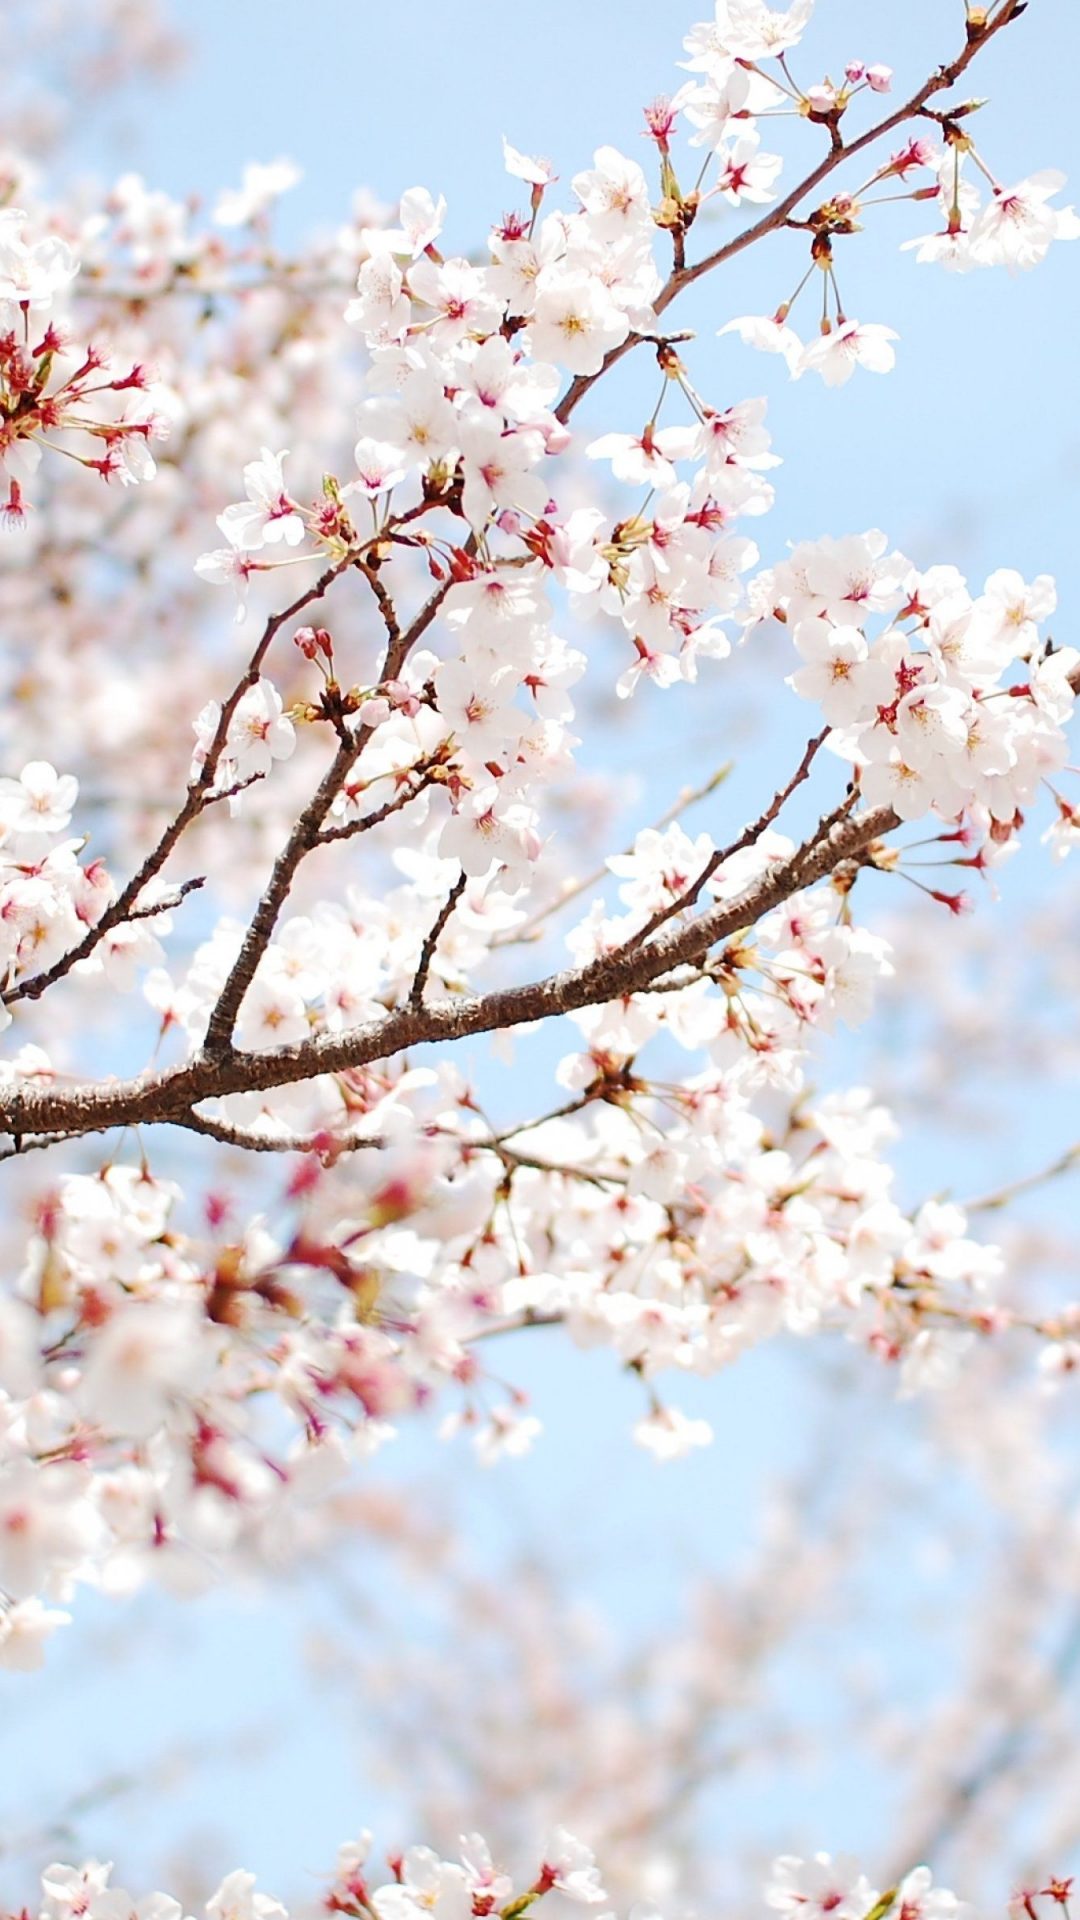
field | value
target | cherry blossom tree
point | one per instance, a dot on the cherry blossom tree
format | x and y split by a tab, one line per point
275	851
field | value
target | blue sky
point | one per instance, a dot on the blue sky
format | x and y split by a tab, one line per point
969	451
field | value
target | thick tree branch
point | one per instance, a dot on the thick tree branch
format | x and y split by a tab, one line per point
165	1094
645	963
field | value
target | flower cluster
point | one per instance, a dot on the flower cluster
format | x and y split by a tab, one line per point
49	898
954	705
257	734
1014	227
150	1378
811	1889
53	393
176	1394
474	1885
422	1884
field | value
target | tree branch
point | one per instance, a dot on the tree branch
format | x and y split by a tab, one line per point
748	838
777	216
198	796
307	830
164	1095
644	963
431	941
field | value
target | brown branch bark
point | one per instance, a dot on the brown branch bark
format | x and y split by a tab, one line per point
431	941
199	795
307	831
939	81
643	964
164	1095
748	838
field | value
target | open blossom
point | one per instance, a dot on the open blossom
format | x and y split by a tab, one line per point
1018	225
237	1898
380	465
145	1357
575	322
462	296
768	336
421	218
721	109
570	1868
668	1434
848	345
382	309
428	1886
614	193
1011	610
917	1898
32	274
500	471
815	1889
749	30
746	174
645	459
26	1626
39	801
229	567
418	420
259	733
486	830
535	172
47	1527
839	674
268	515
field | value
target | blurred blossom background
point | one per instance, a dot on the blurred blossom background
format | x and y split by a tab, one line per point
852	1623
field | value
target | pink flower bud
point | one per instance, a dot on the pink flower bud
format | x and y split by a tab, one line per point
556	437
660	120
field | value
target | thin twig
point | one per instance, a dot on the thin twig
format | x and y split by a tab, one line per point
198	796
748	838
325	1143
990	1202
434	934
689	797
777	216
328	836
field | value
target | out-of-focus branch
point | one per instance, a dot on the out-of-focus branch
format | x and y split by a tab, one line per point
1001	1196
